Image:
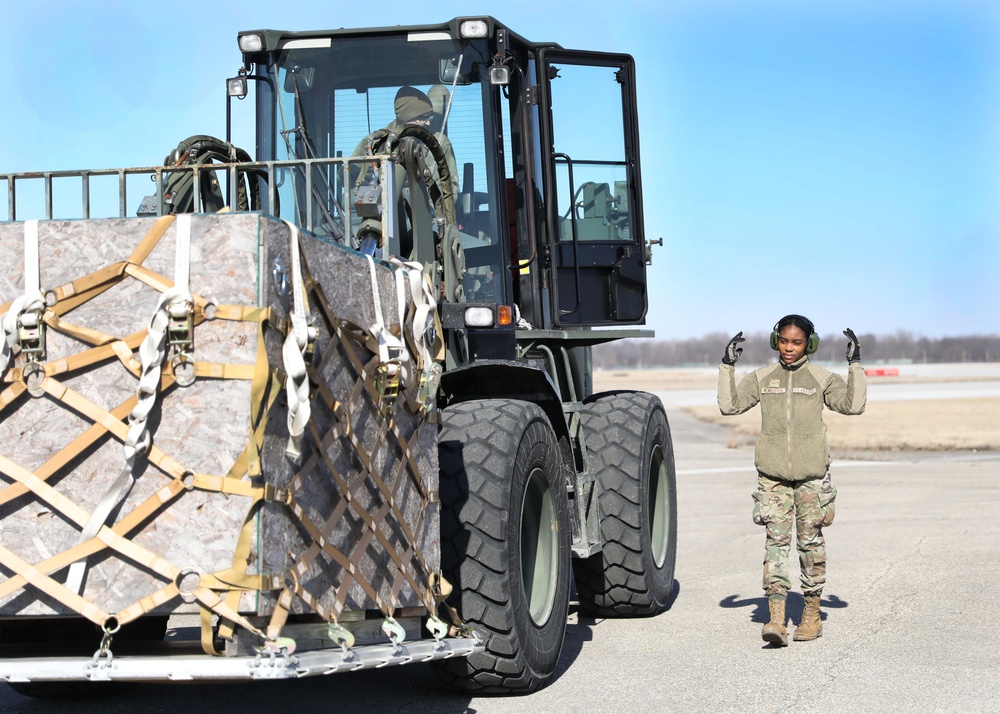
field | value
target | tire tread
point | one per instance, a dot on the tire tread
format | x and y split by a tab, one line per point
615	582
489	432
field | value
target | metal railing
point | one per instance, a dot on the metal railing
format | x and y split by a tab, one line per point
321	191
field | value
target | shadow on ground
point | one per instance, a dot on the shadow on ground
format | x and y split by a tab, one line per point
793	606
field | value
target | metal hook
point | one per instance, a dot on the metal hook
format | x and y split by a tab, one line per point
396	634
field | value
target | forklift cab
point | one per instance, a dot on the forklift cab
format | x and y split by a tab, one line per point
544	142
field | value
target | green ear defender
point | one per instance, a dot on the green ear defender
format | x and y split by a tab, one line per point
804	324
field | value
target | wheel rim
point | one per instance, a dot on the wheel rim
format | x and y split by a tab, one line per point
539	547
659	507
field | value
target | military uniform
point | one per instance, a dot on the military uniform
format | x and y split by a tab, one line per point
411	104
793	459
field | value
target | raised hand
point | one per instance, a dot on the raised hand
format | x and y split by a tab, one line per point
853	346
732	351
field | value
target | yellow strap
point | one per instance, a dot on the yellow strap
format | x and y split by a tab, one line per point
213	602
163	496
122	349
236	487
147	276
264	390
119	429
241	560
243	313
125	353
50	565
216	370
73	400
138	554
51	588
82	334
280	615
139	515
68	452
152	237
147	604
263	393
231	579
76	514
207	639
11	393
75	293
44	491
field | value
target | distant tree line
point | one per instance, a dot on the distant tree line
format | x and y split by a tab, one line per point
902	347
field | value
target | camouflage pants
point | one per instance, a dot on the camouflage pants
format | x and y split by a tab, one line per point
806	505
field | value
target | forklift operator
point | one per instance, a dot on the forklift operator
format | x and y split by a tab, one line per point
413	108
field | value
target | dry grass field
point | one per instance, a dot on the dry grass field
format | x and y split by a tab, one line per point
932	424
915	424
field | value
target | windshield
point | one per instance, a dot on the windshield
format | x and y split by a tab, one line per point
332	93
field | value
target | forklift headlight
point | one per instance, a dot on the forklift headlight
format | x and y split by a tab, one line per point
470	29
250	43
237	86
478	317
499	74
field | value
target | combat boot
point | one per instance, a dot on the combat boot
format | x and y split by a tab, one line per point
811	626
774	632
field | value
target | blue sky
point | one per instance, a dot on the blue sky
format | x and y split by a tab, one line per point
835	159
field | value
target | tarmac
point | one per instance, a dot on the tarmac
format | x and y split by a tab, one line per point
911	615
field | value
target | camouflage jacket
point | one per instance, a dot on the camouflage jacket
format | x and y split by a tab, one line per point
792	444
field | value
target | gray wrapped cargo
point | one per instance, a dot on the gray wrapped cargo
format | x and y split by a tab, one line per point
218	519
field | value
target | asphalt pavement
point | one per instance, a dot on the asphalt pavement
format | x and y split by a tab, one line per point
911	613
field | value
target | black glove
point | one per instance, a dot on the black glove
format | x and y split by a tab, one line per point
853	346
732	351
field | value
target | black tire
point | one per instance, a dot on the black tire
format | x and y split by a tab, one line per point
505	543
630	450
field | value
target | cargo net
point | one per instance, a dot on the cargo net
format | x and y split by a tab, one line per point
332	508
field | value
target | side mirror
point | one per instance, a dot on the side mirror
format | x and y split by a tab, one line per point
450	72
299	79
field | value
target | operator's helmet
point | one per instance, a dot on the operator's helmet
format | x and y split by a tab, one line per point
410	104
